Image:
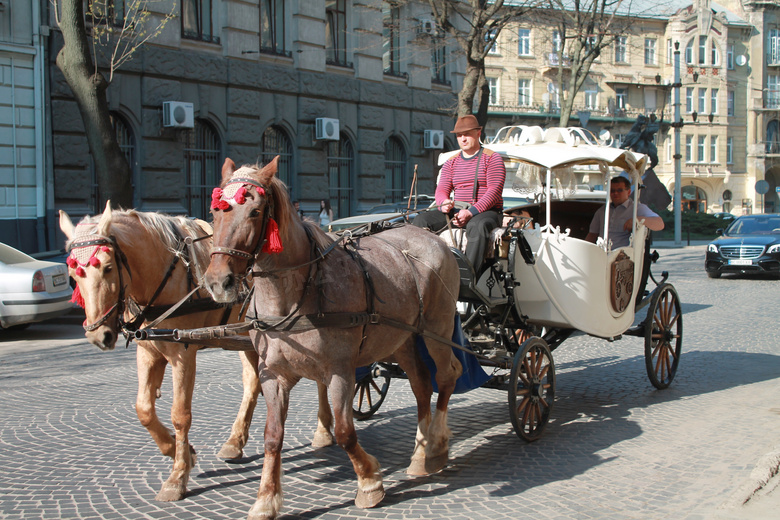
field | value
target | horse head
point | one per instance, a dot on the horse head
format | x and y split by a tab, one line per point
93	264
252	220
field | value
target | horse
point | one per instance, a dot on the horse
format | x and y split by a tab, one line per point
127	260
322	307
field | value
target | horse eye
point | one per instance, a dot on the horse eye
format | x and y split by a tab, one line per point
108	268
254	213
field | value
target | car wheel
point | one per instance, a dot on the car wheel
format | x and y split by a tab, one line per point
713	274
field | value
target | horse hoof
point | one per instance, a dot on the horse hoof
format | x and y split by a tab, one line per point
369	499
322	440
417	468
170	493
427	466
230	452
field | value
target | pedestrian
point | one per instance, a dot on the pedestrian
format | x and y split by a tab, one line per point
621	215
474	176
297	206
326	214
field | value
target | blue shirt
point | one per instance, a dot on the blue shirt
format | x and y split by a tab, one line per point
618	215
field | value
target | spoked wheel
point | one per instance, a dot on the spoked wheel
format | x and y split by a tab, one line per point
663	336
371	389
531	389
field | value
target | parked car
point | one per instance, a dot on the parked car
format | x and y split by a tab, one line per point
31	290
750	244
724	216
393	211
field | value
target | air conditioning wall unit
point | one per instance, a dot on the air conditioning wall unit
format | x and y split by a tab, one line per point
433	139
178	114
427	26
327	128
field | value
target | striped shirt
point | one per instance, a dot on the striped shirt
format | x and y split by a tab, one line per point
457	175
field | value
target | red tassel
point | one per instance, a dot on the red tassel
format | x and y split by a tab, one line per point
77	298
273	242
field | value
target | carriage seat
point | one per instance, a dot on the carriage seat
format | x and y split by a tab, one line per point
456	238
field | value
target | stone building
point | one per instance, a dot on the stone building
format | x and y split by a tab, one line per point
729	97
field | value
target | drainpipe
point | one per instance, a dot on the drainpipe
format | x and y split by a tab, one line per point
40	126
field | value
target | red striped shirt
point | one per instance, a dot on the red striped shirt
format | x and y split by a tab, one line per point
457	175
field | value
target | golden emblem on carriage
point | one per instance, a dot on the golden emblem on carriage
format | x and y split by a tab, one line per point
622	281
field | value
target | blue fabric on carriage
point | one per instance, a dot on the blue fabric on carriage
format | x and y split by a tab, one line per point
473	374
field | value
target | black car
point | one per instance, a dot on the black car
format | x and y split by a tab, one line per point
751	244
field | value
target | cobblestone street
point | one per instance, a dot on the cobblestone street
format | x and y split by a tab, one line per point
71	446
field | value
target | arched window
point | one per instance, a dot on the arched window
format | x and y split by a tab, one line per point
341	165
694	199
276	142
126	140
396	165
689	52
202	152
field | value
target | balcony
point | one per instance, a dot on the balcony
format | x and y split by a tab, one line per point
772	99
554	60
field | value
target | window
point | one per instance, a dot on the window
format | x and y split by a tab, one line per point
277	142
196	20
391	40
689	52
341	166
557	42
773	46
714	101
439	61
396	165
650	51
731	102
714	54
554	91
272	26
621	98
524	93
669	51
620	49
702	99
493	84
730	150
689	100
524	42
730	56
700	149
702	50
668	145
491	42
688	148
100	11
713	148
591	99
202	166
336	33
773	91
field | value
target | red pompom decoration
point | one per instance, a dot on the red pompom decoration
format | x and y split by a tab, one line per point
80	271
273	242
105	249
77	298
240	196
72	263
94	261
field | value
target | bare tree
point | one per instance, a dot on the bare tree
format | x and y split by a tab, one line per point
585	28
117	35
483	21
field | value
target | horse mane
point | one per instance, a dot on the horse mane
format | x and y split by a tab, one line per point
168	229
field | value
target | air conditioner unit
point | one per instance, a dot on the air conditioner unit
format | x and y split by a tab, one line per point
178	114
327	128
433	139
427	26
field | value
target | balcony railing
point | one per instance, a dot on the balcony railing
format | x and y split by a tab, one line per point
554	60
772	99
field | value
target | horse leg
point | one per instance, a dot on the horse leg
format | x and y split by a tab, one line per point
239	434
419	376
370	489
151	369
269	496
323	436
183	368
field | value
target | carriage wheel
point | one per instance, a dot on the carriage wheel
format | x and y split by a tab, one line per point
663	336
370	391
531	389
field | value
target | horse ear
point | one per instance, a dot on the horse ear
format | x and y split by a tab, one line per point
66	225
228	168
105	220
269	170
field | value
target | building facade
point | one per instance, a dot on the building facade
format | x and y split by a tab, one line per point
729	93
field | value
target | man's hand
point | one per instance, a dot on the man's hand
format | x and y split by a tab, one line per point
446	206
628	225
462	217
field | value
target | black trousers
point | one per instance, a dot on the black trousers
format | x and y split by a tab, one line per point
478	231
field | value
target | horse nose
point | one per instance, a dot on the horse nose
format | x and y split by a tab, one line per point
229	282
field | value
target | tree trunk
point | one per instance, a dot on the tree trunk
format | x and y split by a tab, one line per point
89	88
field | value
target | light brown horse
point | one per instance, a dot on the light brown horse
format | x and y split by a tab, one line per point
322	309
124	256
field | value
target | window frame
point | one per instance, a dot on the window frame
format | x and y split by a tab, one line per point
651	45
200	7
524	40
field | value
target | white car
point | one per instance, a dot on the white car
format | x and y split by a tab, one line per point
31	290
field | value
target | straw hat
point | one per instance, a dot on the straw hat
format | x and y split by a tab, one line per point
466	123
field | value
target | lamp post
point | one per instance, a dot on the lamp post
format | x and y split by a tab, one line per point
677	124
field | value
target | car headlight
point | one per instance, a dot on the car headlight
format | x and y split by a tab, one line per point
712	248
774	249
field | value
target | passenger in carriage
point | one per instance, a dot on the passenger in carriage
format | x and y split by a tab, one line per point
476	176
621	214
